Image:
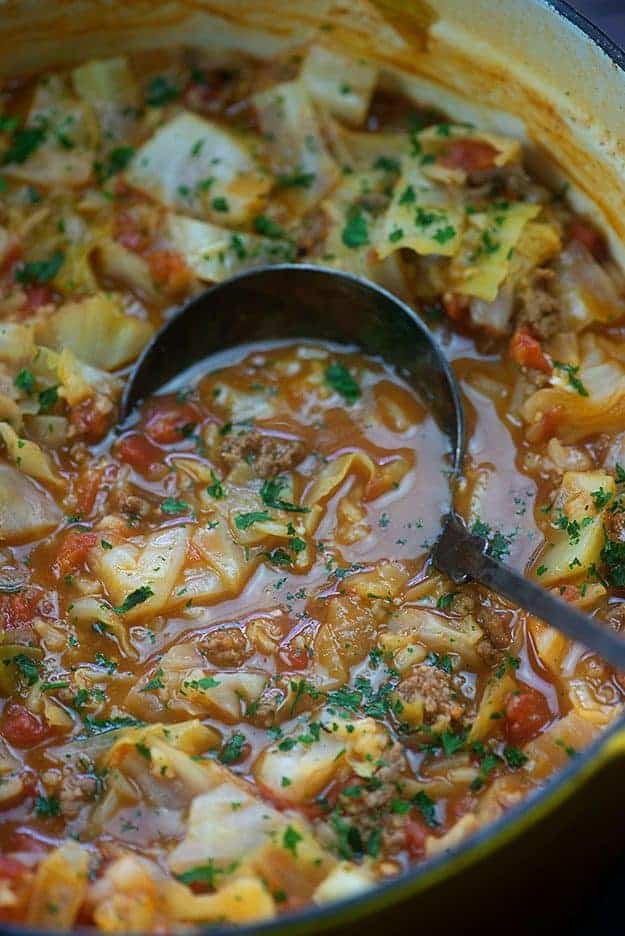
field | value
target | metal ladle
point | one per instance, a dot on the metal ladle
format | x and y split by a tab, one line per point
308	302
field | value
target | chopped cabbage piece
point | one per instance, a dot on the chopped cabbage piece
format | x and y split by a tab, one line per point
343	85
306	172
109	86
29	458
215	253
59	888
483	264
97	331
199	167
147	567
26	511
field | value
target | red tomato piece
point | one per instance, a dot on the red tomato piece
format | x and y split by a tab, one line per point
91	419
167	420
416	833
74	549
526	715
587	234
456	307
138	452
86	490
527	351
38	296
19	609
469	155
295	658
20	727
128	232
169	270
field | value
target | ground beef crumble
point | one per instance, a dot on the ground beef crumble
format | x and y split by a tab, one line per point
268	455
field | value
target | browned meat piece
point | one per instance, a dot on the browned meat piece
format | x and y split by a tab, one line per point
495	627
365	805
226	646
268	455
538	306
616	526
442	703
73	789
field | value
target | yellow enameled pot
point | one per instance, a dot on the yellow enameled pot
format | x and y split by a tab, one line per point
535	70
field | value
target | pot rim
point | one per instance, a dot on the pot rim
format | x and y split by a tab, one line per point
488	839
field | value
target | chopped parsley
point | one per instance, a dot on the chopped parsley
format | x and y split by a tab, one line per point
48	398
246	520
340	379
356	231
571	371
25	381
47	806
290	839
296	180
172	506
268	228
24	142
270	494
160	91
216	489
232	749
427	808
136	597
445	602
40	271
118	160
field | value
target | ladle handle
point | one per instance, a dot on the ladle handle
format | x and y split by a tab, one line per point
462	556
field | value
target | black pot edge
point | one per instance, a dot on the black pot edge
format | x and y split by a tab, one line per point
319	919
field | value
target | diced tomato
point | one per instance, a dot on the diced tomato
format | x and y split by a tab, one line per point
547	425
169	270
456	307
86	489
593	240
19	609
469	155
11	869
74	549
416	833
38	296
21	728
11	255
527	713
137	451
295	658
570	593
16	877
129	234
91	418
527	351
167	420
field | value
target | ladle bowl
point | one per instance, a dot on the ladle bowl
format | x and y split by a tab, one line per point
297	301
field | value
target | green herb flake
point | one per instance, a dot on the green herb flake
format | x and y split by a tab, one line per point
340	379
136	597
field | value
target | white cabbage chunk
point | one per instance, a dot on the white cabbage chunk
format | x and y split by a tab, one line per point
97	331
297	150
483	263
198	167
125	267
214	253
340	83
344	881
186	684
422	626
423	216
30	458
153	562
17	343
59	887
577	535
78	381
26	511
68	135
229	824
109	87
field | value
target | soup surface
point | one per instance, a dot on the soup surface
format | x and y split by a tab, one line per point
231	684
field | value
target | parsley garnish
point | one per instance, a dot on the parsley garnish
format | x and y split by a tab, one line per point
427	808
340	379
232	749
136	597
356	232
40	271
270	494
172	506
574	381
160	91
243	521
47	806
